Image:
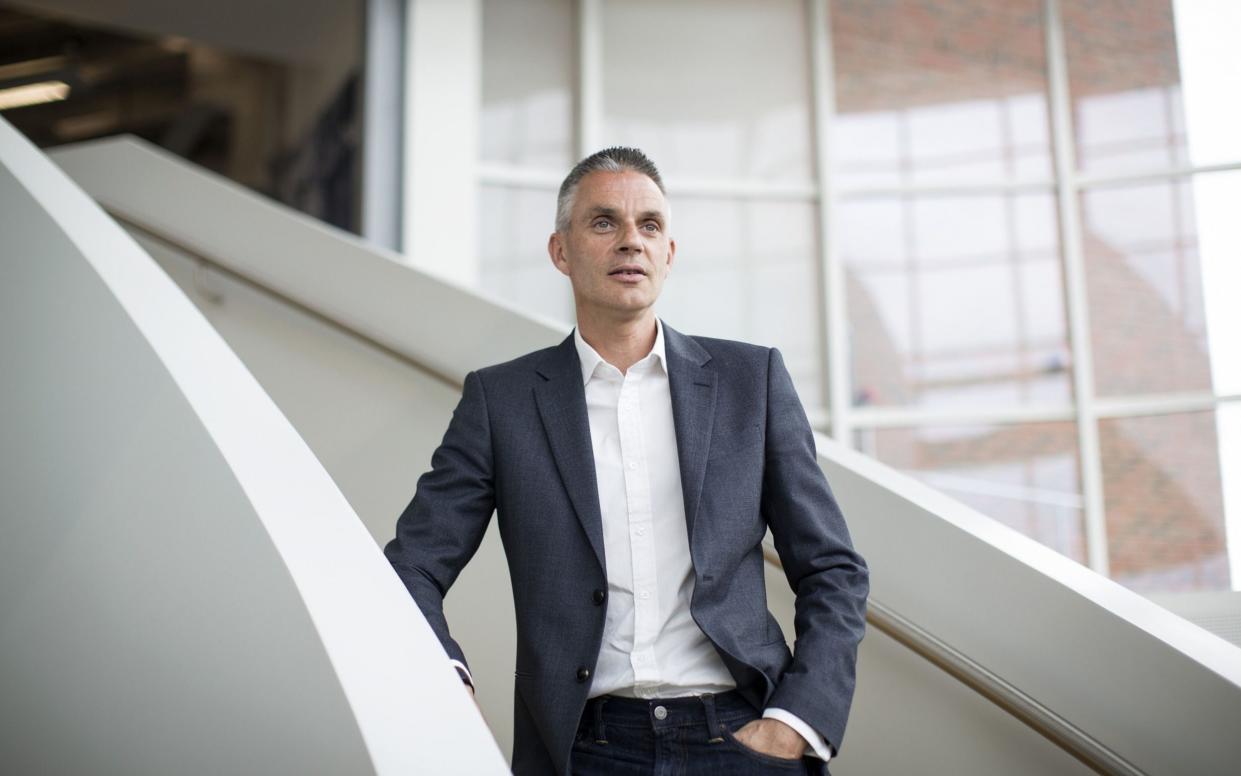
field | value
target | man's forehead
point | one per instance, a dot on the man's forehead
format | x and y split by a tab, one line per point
604	188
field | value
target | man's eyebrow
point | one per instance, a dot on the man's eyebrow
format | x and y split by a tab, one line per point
652	215
601	210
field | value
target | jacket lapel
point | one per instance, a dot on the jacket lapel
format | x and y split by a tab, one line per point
561	400
692	384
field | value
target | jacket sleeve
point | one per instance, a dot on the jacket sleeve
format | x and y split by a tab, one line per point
829	579
443	525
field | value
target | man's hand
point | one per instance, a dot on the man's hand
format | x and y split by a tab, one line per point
773	738
473	696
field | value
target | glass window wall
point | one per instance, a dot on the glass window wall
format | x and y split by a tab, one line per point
1024	475
939	92
954	300
709	88
747	269
514	224
526	117
1163	484
1148	325
1126	86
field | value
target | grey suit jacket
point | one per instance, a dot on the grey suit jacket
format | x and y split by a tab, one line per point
519	445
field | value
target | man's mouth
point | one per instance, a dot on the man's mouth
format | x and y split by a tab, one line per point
629	271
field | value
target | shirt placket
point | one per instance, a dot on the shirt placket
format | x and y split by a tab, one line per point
641	533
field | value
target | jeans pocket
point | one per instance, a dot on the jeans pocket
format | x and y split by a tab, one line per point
766	759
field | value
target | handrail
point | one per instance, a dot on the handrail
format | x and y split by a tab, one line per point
134	225
1003	694
1037	716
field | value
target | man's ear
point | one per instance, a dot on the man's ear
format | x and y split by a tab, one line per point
555	251
672	252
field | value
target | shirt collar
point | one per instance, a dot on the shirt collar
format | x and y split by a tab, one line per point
590	358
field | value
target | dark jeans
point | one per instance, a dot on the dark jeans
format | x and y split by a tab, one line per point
674	737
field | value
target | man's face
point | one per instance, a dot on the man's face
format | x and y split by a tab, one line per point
616	250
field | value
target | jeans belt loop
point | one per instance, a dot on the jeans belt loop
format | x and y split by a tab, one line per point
600	733
713	725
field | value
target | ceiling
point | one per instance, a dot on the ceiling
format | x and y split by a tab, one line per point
289	31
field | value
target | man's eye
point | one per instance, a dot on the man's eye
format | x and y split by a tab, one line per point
651	226
602	223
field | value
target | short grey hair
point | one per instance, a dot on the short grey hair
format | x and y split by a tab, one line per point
614	159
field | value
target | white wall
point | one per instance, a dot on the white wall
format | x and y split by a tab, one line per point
442	83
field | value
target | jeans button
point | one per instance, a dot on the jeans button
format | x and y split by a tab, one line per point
661	712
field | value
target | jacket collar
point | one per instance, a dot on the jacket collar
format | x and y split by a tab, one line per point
561	401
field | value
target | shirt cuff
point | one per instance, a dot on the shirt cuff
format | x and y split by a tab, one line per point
466	676
818	744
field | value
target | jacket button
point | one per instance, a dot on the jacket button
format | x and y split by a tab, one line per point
583	674
599	597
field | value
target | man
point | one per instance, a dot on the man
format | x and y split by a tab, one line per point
634	472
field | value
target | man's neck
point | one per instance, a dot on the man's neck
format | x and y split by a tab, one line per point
622	343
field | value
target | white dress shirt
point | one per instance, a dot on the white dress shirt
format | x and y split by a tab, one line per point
652	648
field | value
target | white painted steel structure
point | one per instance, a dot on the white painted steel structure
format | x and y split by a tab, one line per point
183	588
443	55
1075	290
1123	684
383	123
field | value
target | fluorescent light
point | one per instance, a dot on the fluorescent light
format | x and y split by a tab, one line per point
33	94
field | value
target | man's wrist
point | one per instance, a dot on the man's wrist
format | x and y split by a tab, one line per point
818	746
466	678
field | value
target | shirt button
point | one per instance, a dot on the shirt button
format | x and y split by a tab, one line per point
640	531
661	712
583	674
644	595
599	597
633	465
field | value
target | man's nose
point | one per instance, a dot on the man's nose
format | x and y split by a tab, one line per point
630	239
